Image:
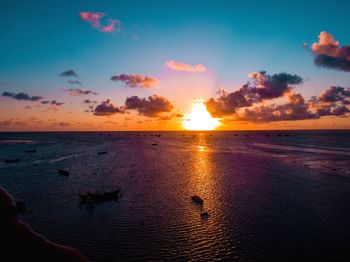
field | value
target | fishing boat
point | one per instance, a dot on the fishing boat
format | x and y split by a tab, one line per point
102	153
197	199
63	172
99	197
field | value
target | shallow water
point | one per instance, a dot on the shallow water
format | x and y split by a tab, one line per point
282	197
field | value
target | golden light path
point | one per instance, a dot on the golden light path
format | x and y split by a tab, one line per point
199	118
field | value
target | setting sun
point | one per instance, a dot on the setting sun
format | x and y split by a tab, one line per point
199	118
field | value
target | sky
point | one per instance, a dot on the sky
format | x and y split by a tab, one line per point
141	65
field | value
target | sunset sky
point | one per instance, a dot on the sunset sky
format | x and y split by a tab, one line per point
143	65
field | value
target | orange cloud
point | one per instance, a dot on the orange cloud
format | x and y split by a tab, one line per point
172	64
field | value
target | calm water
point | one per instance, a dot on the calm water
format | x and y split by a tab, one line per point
269	198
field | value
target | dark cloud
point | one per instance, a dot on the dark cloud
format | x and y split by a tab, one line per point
52	102
329	54
108	108
332	102
152	106
74	82
295	109
136	80
69	72
78	91
88	101
22	96
261	87
55	103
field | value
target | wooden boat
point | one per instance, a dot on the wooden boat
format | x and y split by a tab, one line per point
8	161
63	172
99	197
197	199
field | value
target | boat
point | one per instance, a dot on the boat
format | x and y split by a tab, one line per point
12	161
63	172
197	199
102	153
30	151
154	144
99	197
204	215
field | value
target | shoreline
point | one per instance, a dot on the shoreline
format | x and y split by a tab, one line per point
20	241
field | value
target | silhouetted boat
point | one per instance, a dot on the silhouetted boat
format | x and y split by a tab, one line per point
99	197
30	151
12	161
63	172
102	153
154	144
197	199
204	214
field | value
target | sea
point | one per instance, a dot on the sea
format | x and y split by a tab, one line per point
269	195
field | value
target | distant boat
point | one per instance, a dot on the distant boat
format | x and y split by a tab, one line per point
197	199
99	197
154	144
8	161
204	214
30	151
102	153
63	172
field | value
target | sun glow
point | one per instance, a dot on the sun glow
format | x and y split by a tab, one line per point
199	118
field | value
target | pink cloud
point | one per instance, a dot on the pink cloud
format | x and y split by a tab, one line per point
172	64
94	19
113	25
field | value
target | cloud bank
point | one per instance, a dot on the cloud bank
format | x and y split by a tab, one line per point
261	87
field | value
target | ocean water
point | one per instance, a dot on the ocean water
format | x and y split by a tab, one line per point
270	196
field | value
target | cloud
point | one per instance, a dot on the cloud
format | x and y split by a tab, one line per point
11	122
22	96
63	124
107	108
152	106
69	72
78	91
88	101
52	102
55	103
295	109
74	82
333	101
136	80
172	64
261	87
329	54
94	19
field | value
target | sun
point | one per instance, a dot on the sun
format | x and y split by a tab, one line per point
199	118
